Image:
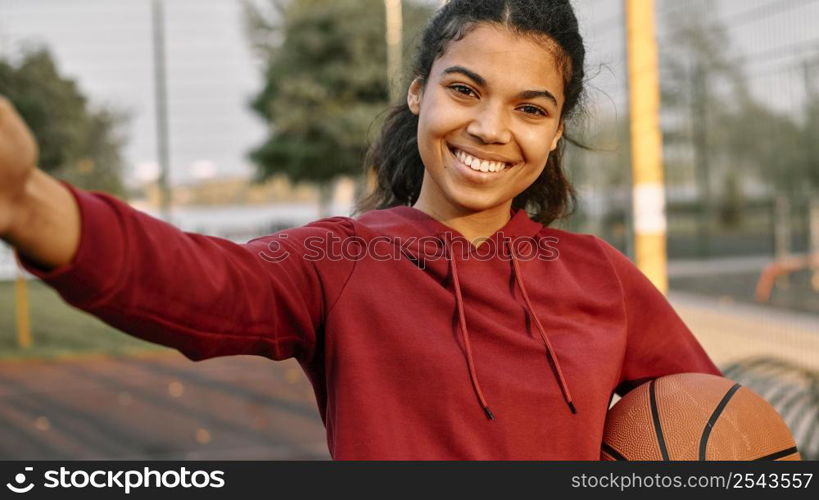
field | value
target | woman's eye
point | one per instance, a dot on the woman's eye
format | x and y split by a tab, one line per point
532	110
462	89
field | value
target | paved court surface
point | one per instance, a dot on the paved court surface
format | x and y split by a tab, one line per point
732	331
159	406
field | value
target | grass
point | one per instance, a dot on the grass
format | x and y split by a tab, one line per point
58	329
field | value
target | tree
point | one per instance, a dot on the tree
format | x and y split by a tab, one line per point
730	133
77	143
810	145
325	84
601	171
700	81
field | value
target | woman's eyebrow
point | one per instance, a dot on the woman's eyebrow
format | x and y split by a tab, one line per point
534	94
468	73
526	94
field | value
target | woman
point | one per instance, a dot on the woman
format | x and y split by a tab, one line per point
459	327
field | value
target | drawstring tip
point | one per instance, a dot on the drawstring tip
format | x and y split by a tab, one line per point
488	412
571	407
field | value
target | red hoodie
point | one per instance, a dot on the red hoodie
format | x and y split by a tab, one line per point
418	345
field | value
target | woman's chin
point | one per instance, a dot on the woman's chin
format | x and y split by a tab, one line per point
473	203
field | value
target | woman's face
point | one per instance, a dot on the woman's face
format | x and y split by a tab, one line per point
489	115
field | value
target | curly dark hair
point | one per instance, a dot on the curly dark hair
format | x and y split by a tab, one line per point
395	156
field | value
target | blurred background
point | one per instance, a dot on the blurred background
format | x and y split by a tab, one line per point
240	118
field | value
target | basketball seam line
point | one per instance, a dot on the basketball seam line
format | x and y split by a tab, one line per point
778	454
706	433
655	415
613	452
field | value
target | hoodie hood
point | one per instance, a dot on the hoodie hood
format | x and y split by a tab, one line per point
438	249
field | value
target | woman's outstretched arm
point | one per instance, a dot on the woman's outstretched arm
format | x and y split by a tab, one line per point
38	215
202	295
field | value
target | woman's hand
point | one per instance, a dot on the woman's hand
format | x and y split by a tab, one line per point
18	157
38	215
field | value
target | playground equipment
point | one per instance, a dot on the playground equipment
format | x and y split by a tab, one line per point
786	264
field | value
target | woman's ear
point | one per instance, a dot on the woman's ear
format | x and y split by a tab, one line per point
558	136
414	95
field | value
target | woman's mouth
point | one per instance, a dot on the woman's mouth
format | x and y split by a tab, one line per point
479	164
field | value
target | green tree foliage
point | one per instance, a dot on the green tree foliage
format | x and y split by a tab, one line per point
77	143
810	140
325	83
601	172
733	132
756	140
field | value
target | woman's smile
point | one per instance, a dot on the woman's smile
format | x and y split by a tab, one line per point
476	169
479	161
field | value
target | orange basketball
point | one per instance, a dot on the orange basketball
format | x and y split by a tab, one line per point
695	416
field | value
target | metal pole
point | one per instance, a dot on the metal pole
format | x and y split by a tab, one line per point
699	110
625	138
393	33
782	234
394	59
646	142
782	216
22	311
813	249
161	92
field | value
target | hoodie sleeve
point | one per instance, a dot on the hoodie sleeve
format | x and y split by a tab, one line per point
202	295
658	343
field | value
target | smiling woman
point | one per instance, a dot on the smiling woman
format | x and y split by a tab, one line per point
489	116
484	334
504	78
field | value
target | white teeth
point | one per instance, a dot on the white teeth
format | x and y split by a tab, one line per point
477	164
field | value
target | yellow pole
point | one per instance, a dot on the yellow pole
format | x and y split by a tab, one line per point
22	312
646	142
394	31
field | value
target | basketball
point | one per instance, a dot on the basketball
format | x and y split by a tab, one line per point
695	416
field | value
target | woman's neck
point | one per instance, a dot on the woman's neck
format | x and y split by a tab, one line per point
474	226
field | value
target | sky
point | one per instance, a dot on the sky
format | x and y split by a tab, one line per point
106	45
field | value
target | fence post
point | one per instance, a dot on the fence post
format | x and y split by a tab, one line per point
813	245
782	233
22	311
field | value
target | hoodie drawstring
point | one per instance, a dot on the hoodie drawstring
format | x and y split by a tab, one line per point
459	302
567	396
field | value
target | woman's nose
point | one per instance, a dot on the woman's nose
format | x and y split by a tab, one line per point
490	126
